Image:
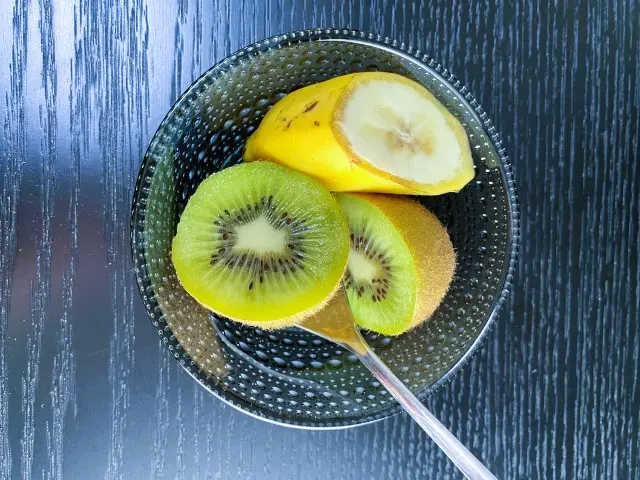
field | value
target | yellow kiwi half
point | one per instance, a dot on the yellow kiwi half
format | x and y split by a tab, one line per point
261	244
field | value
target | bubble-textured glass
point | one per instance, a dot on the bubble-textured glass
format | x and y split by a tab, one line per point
290	376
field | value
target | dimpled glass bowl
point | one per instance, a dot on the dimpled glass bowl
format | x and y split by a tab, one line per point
290	376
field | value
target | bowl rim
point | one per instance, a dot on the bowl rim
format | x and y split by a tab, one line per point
423	62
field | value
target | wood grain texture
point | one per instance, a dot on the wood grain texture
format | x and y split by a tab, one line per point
87	391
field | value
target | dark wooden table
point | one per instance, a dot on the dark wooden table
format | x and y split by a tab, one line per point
88	392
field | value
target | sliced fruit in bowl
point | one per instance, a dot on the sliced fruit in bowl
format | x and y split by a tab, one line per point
207	130
370	132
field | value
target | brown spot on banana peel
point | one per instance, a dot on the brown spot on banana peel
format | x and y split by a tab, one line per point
310	106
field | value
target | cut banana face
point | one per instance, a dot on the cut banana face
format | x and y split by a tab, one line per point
397	129
371	132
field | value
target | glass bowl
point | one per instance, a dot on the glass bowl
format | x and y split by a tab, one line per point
289	376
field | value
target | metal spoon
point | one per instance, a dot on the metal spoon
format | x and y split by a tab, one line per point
339	327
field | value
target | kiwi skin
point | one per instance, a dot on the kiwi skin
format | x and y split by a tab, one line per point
291	321
430	247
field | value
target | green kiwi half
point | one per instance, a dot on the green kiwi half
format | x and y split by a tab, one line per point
401	261
261	244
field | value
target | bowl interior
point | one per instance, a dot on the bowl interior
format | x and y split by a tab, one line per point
291	376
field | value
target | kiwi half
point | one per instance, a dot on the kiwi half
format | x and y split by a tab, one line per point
401	262
261	244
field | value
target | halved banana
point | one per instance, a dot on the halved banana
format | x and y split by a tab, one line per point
373	132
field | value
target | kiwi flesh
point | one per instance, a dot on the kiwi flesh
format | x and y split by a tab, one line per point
261	244
401	262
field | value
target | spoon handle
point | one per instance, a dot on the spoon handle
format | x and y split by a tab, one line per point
468	464
342	329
